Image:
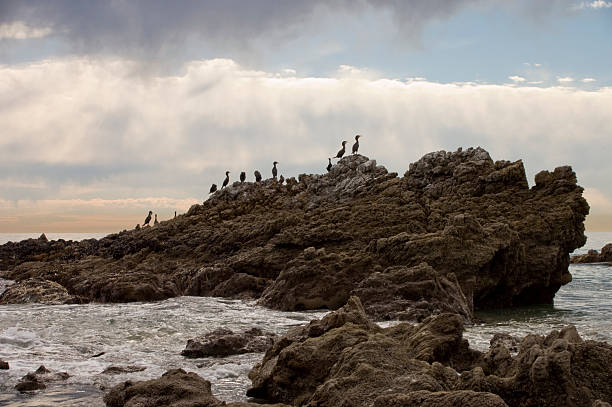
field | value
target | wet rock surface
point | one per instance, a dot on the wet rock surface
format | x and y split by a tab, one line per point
112	370
4	365
39	379
342	360
470	227
223	342
175	388
593	256
36	290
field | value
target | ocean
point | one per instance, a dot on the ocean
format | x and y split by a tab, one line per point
152	335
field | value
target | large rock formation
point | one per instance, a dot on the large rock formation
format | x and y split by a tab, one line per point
593	256
345	360
457	231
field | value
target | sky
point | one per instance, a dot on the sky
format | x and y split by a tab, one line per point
112	108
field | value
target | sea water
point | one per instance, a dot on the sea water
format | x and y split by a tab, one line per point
152	335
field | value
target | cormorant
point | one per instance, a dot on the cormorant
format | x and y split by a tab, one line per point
257	176
226	180
155	222
341	152
175	214
148	219
274	170
356	145
329	166
281	179
242	176
213	188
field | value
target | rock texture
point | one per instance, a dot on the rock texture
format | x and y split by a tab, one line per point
458	231
604	256
36	290
344	360
4	365
175	388
223	342
38	379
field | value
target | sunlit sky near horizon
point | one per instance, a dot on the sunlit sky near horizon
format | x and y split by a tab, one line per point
111	108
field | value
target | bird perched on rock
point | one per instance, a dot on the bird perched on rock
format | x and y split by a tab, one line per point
155	222
274	170
356	145
148	219
281	179
226	180
257	176
329	166
341	152
242	176
213	188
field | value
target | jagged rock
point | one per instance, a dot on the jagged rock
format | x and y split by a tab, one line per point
38	379
348	361
4	365
592	256
318	239
123	369
223	342
35	290
175	388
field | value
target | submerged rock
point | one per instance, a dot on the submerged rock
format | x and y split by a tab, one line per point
39	379
223	342
36	290
4	365
345	360
593	256
123	369
470	227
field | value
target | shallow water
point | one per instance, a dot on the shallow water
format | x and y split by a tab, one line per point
152	335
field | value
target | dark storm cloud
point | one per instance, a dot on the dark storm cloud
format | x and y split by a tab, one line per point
159	27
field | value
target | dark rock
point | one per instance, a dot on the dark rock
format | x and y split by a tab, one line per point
350	362
35	290
39	379
123	369
592	256
472	223
4	365
175	388
223	342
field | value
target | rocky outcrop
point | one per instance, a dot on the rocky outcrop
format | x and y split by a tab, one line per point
4	365
223	342
36	290
593	256
123	369
470	227
39	379
344	360
175	388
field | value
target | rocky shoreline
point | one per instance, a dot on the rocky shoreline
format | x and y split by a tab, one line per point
593	256
457	232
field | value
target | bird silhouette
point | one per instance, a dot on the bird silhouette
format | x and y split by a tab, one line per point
213	188
242	176
274	170
329	166
148	218
257	176
342	150
226	180
356	145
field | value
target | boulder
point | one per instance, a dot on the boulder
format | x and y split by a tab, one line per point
4	365
35	290
223	342
123	369
39	379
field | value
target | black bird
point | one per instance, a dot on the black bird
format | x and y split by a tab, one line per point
274	170
281	179
341	152
148	218
226	180
156	222
242	176
329	166
257	176
175	214
356	145
213	188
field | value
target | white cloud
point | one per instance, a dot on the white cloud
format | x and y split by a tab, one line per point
516	78
597	4
589	80
565	79
535	82
18	30
90	129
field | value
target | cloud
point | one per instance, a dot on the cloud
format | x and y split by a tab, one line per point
110	136
516	78
18	30
565	79
589	80
597	4
535	82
